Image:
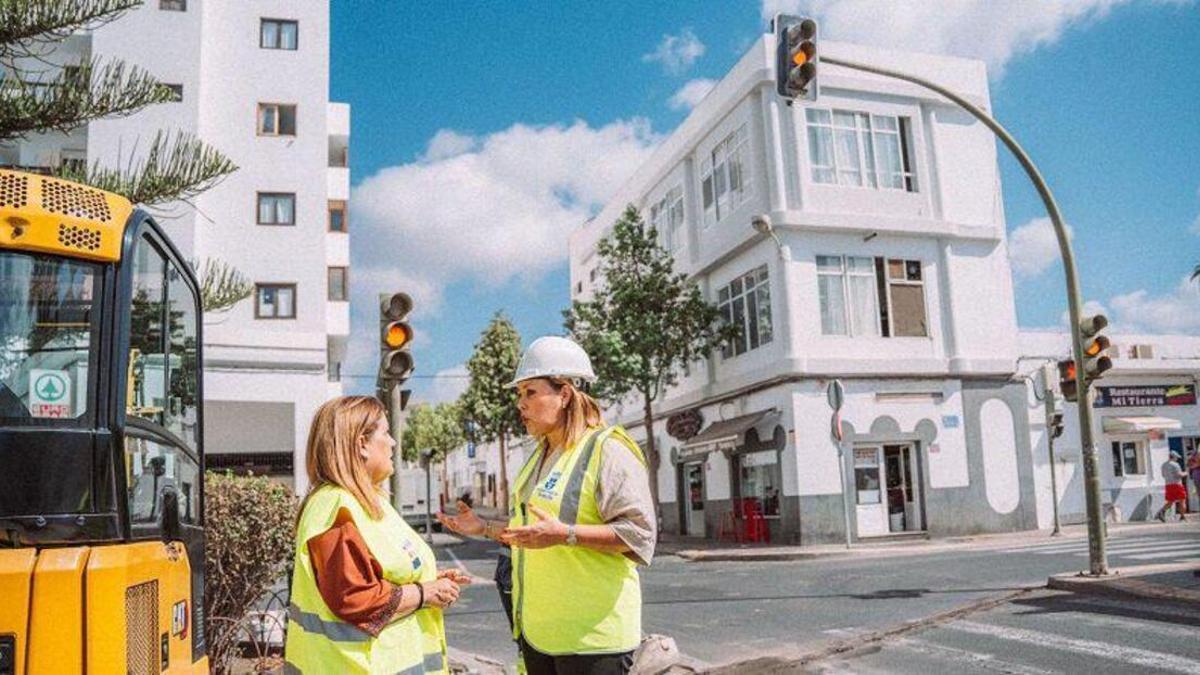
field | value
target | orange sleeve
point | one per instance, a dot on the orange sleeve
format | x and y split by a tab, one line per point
350	579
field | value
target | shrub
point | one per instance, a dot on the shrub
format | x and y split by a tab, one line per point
249	524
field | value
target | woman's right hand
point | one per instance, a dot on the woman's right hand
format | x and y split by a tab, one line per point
440	593
466	522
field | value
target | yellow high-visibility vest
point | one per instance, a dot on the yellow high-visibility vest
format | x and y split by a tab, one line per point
572	599
319	642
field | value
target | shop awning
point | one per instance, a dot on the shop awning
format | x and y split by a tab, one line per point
724	435
1133	425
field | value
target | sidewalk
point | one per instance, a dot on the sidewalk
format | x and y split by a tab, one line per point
697	550
1173	582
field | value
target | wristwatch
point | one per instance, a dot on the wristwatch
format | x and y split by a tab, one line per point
571	540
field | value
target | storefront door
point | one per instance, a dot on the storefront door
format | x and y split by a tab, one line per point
869	503
901	477
693	480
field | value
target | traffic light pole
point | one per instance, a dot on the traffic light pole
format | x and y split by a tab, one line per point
396	428
1048	394
1097	556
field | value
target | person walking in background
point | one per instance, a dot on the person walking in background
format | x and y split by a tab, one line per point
366	595
1194	470
1172	474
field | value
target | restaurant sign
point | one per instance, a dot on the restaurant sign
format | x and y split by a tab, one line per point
1147	396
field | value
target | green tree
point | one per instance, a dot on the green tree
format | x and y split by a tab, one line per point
37	97
487	401
436	427
644	323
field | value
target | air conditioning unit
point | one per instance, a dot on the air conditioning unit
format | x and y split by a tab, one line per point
1142	352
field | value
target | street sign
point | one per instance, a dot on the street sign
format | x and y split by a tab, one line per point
49	393
836	394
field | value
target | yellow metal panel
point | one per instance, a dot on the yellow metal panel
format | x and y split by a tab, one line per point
111	572
56	621
49	215
16	575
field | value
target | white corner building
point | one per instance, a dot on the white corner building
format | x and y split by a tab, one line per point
253	82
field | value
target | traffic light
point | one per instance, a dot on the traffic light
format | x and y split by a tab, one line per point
1066	380
795	57
1095	347
396	363
1054	423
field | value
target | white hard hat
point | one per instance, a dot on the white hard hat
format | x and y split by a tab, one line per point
554	356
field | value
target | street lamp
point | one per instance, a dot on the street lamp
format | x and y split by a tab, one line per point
427	459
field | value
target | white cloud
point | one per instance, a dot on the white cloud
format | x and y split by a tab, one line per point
691	94
447	143
1033	248
448	385
677	53
494	209
995	32
1177	311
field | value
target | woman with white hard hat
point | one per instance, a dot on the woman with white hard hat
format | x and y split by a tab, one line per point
581	522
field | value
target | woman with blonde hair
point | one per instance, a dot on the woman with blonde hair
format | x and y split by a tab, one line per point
366	594
581	522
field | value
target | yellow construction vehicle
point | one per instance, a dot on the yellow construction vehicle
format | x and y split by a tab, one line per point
101	447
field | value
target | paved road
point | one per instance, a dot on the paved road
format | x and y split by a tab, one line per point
721	612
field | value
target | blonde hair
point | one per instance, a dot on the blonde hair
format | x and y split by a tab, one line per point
332	457
582	411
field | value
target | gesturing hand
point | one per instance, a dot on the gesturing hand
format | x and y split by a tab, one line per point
440	593
546	531
466	522
456	575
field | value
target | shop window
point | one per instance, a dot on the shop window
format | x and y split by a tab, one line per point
723	176
173	5
758	477
878	297
866	475
276	119
276	208
746	303
1129	458
337	215
278	34
666	217
858	149
275	301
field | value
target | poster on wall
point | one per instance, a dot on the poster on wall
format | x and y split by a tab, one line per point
1146	396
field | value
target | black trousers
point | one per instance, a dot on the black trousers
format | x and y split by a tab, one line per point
537	663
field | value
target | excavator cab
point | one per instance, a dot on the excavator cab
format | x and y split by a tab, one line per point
101	437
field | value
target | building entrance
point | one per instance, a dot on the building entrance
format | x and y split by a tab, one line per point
887	490
693	481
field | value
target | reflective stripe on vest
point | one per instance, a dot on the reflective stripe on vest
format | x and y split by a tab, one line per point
572	599
319	642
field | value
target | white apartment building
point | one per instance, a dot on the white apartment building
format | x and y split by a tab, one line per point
891	273
253	81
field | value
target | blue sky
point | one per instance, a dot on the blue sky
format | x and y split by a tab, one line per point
483	132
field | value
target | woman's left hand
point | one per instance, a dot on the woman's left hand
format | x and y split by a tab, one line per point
456	575
547	531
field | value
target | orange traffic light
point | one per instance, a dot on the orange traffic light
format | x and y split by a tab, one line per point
398	335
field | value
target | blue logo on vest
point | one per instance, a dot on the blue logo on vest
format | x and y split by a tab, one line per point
412	553
546	491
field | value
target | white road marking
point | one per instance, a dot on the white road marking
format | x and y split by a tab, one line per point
977	659
1179	549
1131	655
1067	547
1166	554
475	581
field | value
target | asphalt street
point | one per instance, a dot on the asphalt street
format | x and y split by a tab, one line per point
724	612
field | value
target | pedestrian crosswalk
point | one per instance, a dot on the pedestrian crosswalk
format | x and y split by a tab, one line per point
1139	549
1047	632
